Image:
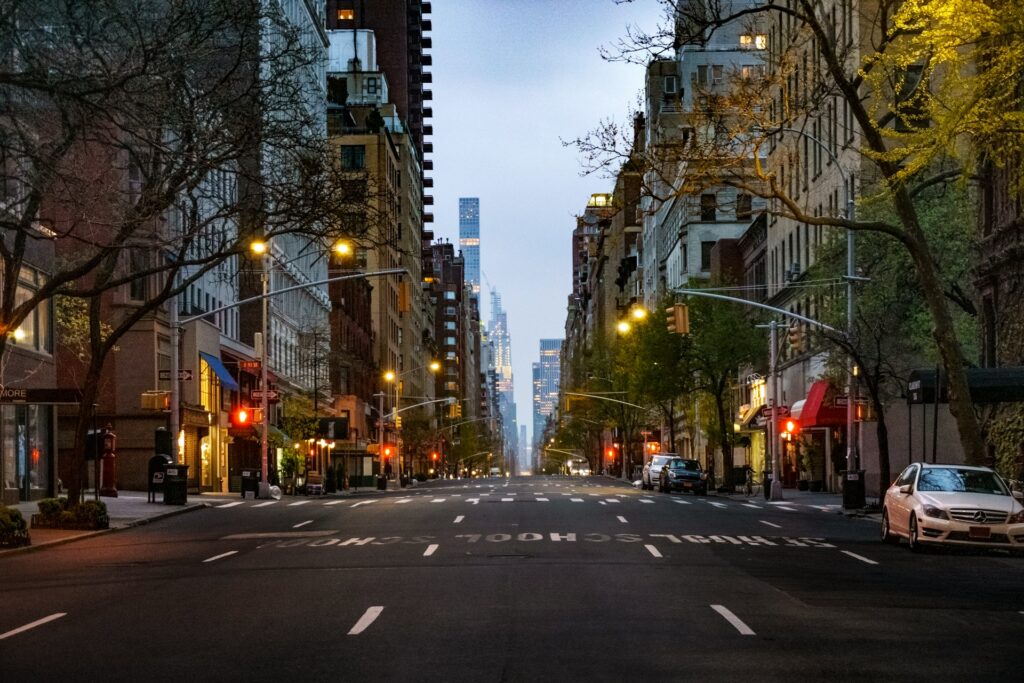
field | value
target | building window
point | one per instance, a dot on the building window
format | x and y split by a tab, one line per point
743	207
353	157
450	325
346	15
758	41
449	296
705	255
449	341
708	204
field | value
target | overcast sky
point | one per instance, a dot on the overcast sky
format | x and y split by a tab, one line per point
511	78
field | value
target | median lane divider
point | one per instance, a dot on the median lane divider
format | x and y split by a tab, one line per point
364	622
736	622
32	625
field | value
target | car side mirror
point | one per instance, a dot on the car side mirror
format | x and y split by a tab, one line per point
906	488
1019	495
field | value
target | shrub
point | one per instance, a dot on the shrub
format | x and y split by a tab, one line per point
13	529
52	507
420	476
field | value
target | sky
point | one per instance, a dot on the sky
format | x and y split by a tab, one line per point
511	80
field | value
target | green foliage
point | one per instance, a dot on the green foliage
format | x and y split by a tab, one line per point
11	521
299	421
58	512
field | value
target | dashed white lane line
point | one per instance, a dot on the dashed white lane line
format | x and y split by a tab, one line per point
302	524
751	505
298	502
231	505
774	526
681	502
269	502
786	508
623	519
542	500
858	557
437	500
734	620
646	500
362	502
601	502
431	549
474	501
403	501
719	505
221	556
507	500
37	622
653	551
458	520
364	622
576	500
613	500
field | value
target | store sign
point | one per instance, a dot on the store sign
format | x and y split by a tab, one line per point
25	395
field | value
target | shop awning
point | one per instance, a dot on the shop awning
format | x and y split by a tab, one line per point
748	418
218	368
987	385
819	409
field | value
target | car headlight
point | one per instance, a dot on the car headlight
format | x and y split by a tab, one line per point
703	475
934	511
1017	518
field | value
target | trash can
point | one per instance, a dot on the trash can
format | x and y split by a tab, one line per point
853	489
766	484
251	478
175	484
382	484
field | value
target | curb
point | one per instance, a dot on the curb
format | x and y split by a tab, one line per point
98	532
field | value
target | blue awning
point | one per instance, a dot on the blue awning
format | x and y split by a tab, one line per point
217	366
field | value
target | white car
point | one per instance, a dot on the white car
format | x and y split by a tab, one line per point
652	470
952	504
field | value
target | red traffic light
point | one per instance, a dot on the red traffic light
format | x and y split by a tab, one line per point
241	417
792	426
387	450
433	456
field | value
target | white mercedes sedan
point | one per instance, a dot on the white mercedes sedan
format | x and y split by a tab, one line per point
952	504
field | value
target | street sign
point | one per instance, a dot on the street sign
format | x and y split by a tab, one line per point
248	365
781	411
842	401
257	394
185	375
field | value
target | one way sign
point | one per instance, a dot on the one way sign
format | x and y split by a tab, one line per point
257	394
185	375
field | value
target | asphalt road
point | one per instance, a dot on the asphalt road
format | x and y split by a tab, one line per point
528	579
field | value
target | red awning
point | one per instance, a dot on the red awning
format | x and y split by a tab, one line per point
819	408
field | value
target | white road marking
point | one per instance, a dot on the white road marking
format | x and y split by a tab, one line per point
858	557
507	500
786	508
474	501
403	500
301	524
682	502
592	494
231	505
613	500
646	500
362	502
459	519
437	500
37	622
364	622
750	505
298	502
576	500
221	556
601	502
542	500
734	620
263	505
774	526
431	549
653	551
719	505
623	519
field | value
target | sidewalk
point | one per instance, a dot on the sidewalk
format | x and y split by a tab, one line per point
128	509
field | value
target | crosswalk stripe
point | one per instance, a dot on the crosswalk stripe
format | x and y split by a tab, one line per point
230	505
298	502
263	505
576	500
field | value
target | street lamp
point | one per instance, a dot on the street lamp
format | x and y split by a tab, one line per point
391	377
262	249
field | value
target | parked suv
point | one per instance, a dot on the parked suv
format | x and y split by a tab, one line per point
680	474
652	470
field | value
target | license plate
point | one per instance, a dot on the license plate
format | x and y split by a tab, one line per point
687	484
979	532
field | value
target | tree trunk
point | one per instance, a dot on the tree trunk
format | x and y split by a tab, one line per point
86	412
960	404
725	428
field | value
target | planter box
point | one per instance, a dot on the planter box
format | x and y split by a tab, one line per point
40	522
802	485
15	539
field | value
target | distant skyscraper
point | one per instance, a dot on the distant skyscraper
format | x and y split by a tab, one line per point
522	452
469	239
546	375
497	331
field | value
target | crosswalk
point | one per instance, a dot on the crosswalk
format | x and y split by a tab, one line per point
536	497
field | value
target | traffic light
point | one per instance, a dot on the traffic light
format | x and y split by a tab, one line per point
610	453
653	446
433	456
241	417
387	450
677	319
790	428
796	338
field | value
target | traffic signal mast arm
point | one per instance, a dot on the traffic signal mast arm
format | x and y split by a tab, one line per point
756	304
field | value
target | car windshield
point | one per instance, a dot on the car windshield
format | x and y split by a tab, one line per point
658	461
960	480
688	465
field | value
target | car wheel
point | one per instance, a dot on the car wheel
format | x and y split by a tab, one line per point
912	539
887	535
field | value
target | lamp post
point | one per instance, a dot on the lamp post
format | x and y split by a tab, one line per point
396	378
262	249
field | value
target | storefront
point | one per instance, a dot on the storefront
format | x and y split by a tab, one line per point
818	453
28	460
